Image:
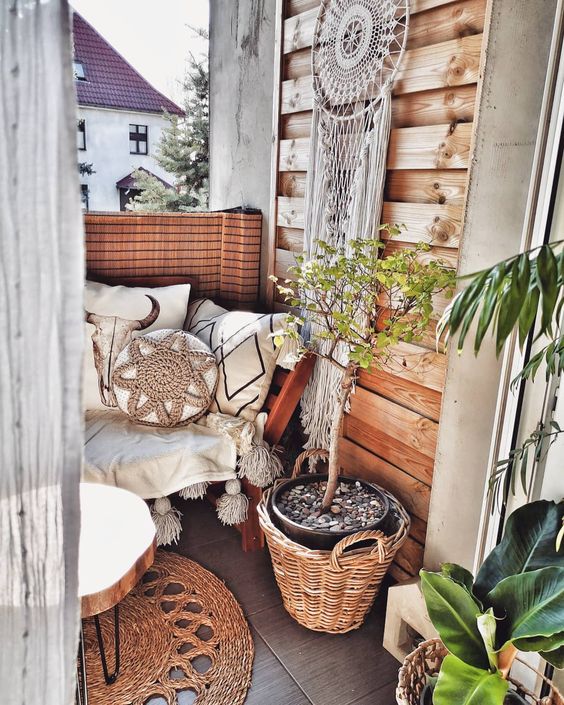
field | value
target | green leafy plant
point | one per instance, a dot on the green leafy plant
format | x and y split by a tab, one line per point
524	292
364	303
516	602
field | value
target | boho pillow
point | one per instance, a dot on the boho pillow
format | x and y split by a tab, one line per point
165	378
243	344
115	315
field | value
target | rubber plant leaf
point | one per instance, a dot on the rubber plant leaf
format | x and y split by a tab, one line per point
462	684
528	543
453	611
532	605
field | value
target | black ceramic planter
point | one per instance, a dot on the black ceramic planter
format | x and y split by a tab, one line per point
316	538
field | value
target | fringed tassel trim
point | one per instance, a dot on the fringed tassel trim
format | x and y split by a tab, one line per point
232	507
261	465
196	491
167	521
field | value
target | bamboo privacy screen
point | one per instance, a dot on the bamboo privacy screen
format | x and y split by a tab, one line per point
41	280
219	252
391	433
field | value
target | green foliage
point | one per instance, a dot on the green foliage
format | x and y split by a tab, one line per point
462	684
183	149
86	168
363	300
517	600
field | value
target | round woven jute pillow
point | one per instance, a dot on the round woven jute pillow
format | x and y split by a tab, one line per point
180	630
165	378
426	660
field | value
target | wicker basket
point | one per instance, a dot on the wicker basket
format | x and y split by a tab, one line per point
426	661
331	591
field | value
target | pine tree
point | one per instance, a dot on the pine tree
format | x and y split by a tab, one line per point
183	149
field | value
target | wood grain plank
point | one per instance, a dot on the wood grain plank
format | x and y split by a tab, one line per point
427	186
434	107
410	556
292	184
398	573
298	30
290	212
290	239
284	259
359	462
434	224
295	125
434	147
418	365
452	63
295	7
297	64
294	155
416	397
443	23
445	255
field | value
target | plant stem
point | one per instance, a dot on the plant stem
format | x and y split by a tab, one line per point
505	660
335	437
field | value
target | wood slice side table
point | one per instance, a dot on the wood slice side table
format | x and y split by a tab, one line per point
117	546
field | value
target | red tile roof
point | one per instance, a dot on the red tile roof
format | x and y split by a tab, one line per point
110	81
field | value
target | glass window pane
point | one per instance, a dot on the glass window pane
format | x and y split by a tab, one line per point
132	146
142	129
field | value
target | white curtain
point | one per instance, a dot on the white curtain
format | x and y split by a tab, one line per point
41	284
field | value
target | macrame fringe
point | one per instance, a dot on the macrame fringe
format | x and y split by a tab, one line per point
196	491
288	355
323	220
232	506
261	465
167	521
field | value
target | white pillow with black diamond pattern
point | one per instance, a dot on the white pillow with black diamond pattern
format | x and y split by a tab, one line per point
165	378
243	345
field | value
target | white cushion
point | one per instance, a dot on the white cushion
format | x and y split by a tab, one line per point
154	462
131	304
243	344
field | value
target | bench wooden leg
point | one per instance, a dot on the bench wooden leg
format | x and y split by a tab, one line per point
253	538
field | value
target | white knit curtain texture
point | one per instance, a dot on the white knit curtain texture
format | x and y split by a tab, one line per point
357	48
41	285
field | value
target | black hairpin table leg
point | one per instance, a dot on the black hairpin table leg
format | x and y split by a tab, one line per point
81	685
109	678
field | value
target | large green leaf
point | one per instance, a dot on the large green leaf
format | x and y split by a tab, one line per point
454	611
531	604
555	657
540	643
462	684
528	544
460	575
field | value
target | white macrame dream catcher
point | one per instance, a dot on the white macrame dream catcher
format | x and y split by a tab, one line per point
356	51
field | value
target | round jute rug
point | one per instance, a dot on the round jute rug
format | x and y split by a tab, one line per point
184	639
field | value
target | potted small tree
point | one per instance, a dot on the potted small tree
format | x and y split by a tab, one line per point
359	305
515	603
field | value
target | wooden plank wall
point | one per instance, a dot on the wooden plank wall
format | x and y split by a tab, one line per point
219	252
391	432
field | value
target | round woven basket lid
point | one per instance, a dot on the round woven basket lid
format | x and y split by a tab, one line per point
165	378
357	48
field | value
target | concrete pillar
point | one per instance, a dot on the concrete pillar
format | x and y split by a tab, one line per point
241	90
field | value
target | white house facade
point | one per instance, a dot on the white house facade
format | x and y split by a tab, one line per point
120	121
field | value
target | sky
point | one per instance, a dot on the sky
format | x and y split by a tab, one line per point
153	35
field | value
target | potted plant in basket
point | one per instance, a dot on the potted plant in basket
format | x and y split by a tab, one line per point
515	603
359	306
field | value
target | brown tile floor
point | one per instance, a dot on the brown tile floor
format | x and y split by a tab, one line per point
293	666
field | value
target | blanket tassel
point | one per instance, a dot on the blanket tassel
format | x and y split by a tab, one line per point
197	491
167	521
232	506
261	465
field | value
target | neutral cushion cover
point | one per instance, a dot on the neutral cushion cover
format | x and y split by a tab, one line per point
243	344
106	336
165	378
154	462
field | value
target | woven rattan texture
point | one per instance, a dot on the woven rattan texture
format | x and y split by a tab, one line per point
426	660
332	591
180	630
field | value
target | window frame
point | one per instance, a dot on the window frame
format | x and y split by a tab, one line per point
139	138
79	76
81	133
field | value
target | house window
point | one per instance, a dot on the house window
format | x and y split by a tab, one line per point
138	139
78	70
81	134
84	196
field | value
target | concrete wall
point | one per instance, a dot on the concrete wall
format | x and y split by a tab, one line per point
514	73
107	148
241	89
